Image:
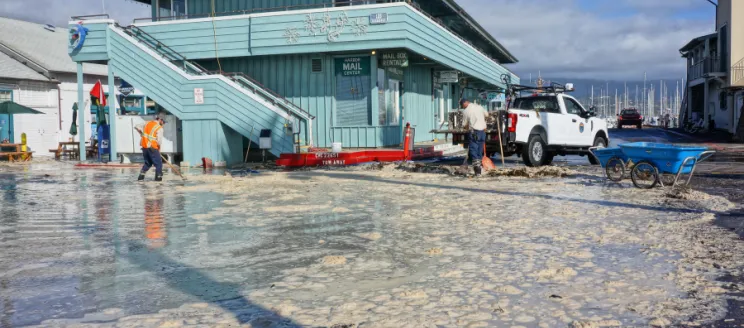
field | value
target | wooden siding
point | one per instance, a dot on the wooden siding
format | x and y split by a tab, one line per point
291	77
211	139
418	102
222	101
264	34
95	46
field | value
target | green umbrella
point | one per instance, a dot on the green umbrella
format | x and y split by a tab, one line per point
12	108
73	128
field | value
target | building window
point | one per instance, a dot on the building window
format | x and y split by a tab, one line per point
6	95
164	8
316	65
342	3
172	9
722	100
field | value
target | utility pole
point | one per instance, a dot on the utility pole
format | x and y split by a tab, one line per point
103	5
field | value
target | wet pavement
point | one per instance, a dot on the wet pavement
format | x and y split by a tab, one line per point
353	247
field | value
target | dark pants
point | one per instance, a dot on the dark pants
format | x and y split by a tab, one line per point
475	147
152	157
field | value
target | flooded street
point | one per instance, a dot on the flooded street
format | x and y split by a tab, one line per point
367	247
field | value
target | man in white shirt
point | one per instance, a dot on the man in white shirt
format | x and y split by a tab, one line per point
474	117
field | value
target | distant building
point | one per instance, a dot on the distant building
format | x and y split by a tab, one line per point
36	71
715	71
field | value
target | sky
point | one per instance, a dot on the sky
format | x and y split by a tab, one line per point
592	39
595	39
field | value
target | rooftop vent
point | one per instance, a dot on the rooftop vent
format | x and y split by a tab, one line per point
49	27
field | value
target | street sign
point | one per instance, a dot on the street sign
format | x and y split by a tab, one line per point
448	77
377	19
198	96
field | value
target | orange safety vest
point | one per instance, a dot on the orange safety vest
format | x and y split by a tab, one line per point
150	135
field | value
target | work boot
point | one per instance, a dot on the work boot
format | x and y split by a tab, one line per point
141	177
478	171
158	178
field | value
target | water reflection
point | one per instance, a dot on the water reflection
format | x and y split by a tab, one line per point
155	231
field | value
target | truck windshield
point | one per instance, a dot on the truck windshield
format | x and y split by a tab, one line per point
547	104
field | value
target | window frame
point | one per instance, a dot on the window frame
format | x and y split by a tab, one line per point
578	106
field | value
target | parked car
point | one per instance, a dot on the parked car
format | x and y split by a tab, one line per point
629	116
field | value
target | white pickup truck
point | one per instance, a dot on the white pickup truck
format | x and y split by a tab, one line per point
542	126
539	127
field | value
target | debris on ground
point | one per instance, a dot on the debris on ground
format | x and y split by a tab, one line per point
533	172
689	197
465	170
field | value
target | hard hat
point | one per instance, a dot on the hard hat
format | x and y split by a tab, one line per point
161	116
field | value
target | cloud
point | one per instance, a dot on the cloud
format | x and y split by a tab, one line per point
561	39
58	12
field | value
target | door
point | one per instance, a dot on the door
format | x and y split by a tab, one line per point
5	120
577	129
441	113
394	102
42	130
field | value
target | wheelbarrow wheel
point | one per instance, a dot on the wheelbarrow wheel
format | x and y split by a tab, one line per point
615	169
644	175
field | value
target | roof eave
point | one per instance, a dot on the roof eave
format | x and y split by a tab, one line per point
509	58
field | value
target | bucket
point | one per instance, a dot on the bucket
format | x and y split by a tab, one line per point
336	147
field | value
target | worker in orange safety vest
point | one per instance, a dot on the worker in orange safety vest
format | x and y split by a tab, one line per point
152	138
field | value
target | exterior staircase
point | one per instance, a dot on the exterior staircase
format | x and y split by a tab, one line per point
235	99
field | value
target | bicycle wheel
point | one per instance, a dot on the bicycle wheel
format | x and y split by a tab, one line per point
644	175
615	169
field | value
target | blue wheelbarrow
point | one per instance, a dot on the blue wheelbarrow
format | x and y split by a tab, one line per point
647	162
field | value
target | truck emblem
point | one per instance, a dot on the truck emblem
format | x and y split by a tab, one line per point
581	127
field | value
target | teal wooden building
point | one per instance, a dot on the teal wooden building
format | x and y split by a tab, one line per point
313	72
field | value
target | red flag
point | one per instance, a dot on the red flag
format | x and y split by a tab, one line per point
97	92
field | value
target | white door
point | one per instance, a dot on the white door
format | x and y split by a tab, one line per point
41	130
577	129
441	112
394	102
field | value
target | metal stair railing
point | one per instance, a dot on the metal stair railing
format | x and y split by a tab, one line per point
192	68
737	72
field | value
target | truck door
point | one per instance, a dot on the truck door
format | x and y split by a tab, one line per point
577	130
553	120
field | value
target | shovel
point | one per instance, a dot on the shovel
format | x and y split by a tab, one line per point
487	162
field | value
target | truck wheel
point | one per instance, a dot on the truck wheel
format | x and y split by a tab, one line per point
535	153
598	142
